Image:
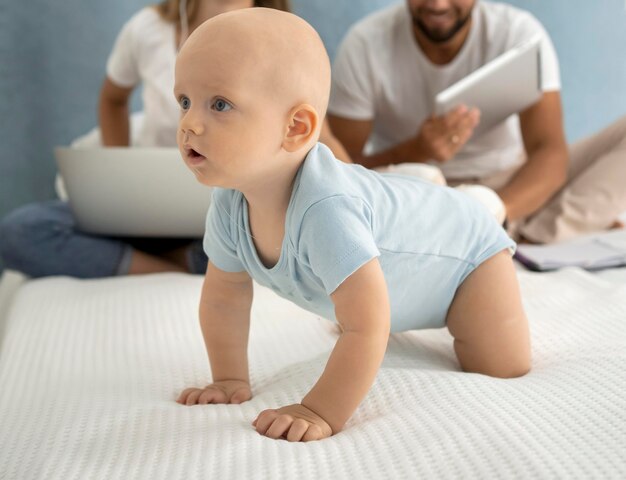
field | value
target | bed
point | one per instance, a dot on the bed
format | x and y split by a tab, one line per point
89	371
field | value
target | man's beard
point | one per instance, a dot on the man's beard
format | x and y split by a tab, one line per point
436	36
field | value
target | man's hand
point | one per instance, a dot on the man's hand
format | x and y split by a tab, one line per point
224	391
440	138
295	423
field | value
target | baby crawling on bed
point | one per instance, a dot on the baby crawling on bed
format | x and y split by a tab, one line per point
376	253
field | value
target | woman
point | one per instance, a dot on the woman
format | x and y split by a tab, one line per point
42	239
144	54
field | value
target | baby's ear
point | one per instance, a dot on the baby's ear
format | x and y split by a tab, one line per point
302	127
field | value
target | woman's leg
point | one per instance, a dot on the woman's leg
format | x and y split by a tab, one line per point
167	254
197	259
41	239
488	322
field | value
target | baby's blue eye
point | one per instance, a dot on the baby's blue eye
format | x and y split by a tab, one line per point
185	103
221	105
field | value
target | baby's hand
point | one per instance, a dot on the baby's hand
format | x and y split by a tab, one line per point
224	391
296	423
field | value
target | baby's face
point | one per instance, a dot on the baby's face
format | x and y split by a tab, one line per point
251	85
231	128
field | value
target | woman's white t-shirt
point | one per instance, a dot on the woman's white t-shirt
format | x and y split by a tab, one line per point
145	52
381	74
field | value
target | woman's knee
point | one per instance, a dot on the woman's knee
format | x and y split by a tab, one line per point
24	230
14	232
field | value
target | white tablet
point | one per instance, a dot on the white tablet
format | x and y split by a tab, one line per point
504	86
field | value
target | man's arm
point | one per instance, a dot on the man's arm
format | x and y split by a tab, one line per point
363	312
439	138
545	170
225	322
113	114
353	135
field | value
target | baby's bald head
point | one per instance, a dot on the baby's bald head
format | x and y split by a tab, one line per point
253	87
273	52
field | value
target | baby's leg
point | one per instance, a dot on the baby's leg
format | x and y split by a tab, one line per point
488	323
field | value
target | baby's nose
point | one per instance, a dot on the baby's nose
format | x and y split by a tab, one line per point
191	125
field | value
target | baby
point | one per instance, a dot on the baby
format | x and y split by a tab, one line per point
376	253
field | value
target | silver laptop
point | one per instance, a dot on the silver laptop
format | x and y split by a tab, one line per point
504	86
142	192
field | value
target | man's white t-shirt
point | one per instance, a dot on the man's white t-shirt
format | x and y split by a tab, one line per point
145	52
381	74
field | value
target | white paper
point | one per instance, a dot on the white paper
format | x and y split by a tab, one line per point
601	250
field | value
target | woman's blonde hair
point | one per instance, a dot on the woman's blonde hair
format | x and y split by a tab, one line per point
170	9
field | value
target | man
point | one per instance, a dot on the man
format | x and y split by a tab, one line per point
393	63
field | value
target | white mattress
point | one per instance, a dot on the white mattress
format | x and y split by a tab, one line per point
89	371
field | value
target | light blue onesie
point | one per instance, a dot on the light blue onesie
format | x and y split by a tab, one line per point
427	239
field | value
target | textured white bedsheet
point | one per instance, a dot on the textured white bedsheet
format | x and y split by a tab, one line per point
89	371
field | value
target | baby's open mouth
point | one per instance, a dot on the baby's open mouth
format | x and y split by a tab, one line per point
193	155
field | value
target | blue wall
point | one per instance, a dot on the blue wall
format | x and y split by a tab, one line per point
590	40
52	56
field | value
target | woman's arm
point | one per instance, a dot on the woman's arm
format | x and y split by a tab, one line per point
113	114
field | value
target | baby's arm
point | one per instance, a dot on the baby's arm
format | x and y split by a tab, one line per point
225	321
362	309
